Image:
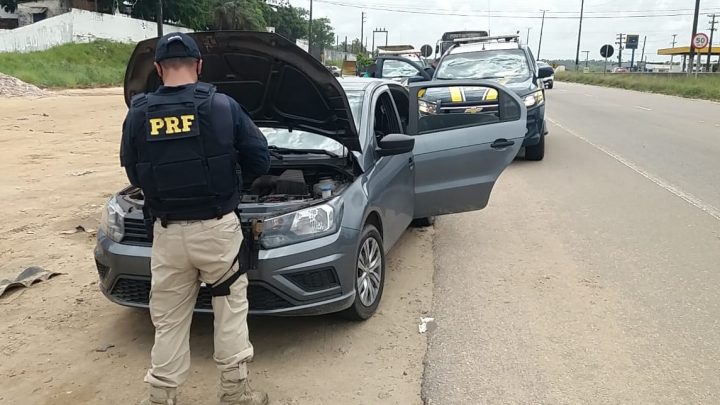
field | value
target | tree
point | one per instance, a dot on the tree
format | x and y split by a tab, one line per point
194	14
290	22
238	15
322	33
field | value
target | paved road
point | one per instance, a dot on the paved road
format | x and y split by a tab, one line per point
593	276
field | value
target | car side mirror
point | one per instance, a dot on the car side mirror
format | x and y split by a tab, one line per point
395	144
545	72
416	79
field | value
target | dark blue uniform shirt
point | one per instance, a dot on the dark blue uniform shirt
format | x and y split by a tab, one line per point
250	143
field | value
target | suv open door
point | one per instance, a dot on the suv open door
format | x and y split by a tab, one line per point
461	150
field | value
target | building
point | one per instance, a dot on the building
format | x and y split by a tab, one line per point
684	52
31	12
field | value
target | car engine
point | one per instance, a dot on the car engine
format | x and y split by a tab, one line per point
293	185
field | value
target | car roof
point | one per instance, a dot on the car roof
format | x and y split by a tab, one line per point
484	46
360	83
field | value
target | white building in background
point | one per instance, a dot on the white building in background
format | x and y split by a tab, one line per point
79	26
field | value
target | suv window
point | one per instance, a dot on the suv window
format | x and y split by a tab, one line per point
396	68
490	64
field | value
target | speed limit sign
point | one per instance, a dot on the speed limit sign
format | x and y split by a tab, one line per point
700	41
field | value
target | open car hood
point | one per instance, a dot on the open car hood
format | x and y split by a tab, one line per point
280	84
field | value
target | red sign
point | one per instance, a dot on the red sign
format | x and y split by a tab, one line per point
701	41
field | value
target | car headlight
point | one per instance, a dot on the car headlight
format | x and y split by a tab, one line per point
112	221
534	99
427	107
299	226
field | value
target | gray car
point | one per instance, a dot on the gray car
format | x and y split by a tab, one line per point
354	162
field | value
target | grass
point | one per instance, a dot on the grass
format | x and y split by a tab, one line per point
96	64
705	87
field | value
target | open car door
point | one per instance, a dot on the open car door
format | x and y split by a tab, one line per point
466	133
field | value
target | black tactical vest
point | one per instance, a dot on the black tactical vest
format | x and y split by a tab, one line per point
187	162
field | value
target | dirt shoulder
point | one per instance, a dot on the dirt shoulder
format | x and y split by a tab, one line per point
63	342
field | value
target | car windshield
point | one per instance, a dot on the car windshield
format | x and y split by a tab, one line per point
285	139
501	63
398	68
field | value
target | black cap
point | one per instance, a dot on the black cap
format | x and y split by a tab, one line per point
164	50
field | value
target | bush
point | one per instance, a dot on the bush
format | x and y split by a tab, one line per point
96	64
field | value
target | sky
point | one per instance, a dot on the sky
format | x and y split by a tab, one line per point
423	22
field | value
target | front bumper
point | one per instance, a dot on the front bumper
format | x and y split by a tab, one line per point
310	278
535	125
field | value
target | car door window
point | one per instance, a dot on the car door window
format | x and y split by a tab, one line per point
451	107
385	117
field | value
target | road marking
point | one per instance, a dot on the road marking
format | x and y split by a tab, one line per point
643	108
689	198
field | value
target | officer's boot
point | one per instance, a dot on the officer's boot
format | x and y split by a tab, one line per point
238	392
160	396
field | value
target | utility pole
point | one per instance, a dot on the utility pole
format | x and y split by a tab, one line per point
362	31
160	18
621	41
642	55
577	53
587	56
527	39
310	29
692	37
672	57
542	27
712	36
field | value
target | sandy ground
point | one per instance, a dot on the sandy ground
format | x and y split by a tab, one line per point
63	342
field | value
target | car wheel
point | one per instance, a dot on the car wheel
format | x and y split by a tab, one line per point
423	222
369	276
551	85
536	152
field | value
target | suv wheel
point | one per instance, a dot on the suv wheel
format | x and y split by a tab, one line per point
536	152
369	276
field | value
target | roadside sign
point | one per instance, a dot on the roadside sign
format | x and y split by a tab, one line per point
426	50
632	41
701	41
607	51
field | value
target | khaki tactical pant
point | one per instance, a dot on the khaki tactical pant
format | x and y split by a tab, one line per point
184	254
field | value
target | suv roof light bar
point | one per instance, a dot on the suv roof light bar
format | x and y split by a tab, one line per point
506	38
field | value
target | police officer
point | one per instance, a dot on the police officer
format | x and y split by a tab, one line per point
181	145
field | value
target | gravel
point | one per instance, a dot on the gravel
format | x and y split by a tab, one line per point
12	87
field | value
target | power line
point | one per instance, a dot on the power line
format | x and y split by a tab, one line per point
446	12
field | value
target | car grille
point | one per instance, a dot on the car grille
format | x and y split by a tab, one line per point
135	232
137	291
315	280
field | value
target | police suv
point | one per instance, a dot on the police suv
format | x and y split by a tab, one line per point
506	60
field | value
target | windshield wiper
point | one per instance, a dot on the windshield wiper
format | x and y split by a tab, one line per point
290	151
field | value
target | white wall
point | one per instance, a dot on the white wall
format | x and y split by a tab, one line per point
79	26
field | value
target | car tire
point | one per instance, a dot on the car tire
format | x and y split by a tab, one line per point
551	85
423	222
364	305
536	152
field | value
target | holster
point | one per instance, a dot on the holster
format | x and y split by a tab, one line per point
149	222
246	259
